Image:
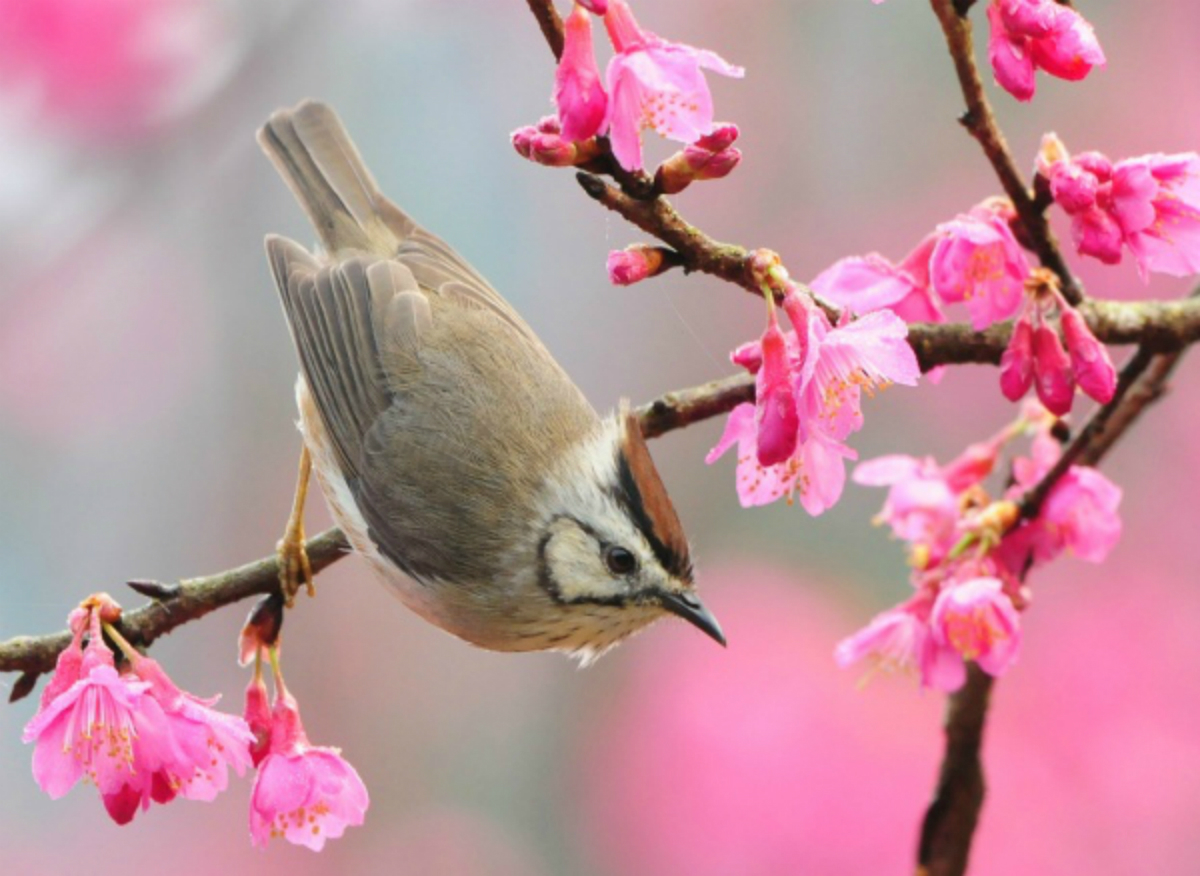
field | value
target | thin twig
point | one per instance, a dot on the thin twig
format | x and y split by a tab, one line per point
551	24
980	122
194	598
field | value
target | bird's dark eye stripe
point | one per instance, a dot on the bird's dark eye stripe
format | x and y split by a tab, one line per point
619	560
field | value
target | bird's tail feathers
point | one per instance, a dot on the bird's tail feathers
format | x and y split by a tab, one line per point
313	153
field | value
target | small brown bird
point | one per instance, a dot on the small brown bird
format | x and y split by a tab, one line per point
454	452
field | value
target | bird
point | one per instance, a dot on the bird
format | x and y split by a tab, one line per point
453	451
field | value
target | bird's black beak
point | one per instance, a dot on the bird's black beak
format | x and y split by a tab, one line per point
692	610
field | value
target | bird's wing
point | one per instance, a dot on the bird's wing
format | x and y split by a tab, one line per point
345	319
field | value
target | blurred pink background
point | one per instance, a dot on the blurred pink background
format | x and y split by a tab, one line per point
146	431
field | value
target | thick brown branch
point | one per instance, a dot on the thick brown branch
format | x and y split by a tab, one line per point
980	121
954	811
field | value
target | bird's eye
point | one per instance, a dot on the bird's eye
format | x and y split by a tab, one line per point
619	560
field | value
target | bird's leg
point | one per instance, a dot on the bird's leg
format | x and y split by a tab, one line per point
294	568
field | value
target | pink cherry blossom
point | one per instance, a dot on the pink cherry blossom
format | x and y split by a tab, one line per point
900	639
977	260
1156	202
830	369
304	793
1150	204
814	472
102	726
1080	514
578	93
1028	35
208	742
628	266
656	84
921	507
978	620
862	284
597	7
136	736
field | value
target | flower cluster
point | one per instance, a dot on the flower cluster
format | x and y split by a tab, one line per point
140	739
973	259
809	382
651	83
1031	35
133	734
304	793
1150	204
1035	355
969	555
976	260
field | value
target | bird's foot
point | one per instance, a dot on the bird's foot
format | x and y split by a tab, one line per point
295	571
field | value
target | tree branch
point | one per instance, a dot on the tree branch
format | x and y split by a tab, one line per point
949	824
551	24
194	598
980	122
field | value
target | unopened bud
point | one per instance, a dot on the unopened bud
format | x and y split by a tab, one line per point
522	139
634	264
1051	152
749	355
262	627
596	7
721	138
693	163
551	150
104	606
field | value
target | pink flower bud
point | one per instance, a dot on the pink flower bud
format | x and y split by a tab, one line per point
633	264
721	138
596	7
522	140
1095	163
749	356
1096	233
777	422
711	165
1051	151
261	629
1052	371
578	94
1071	50
1073	188
1094	370
1016	365
977	619
552	150
1031	18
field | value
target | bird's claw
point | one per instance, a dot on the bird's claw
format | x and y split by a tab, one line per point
295	571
